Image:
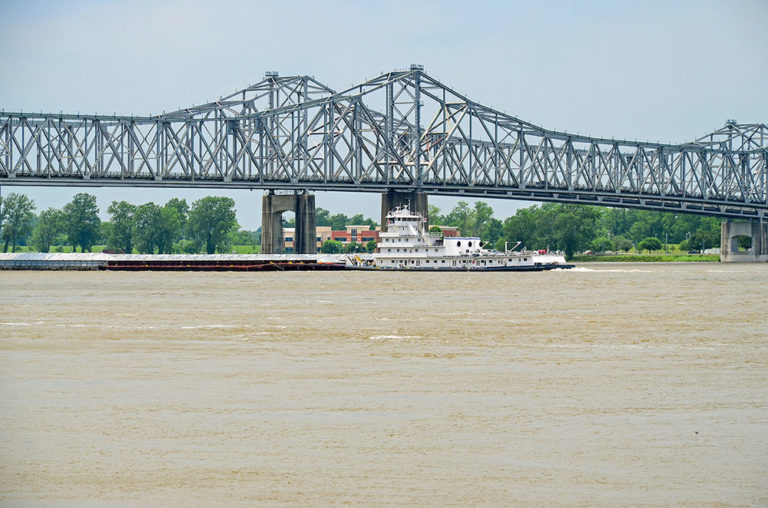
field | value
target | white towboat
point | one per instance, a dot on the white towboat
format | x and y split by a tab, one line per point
407	245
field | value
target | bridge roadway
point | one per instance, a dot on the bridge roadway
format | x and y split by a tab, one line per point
402	132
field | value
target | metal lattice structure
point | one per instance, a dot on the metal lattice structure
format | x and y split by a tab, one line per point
403	130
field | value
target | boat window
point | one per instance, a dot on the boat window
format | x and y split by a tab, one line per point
458	244
470	244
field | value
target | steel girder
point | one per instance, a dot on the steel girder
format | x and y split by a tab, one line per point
402	130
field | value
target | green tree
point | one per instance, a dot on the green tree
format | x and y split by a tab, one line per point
322	217
123	220
182	207
744	243
650	244
2	215
359	220
157	227
602	244
353	247
339	222
522	227
370	246
493	231
704	238
211	219
639	230
552	226
17	223
480	219
563	227
82	223
50	224
617	221
331	247
241	237
146	220
435	218
461	216
621	243
708	233
169	230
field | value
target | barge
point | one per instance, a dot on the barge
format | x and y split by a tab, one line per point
170	262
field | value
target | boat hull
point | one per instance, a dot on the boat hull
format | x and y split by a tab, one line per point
525	268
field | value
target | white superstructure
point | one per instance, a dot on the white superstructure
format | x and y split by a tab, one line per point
407	244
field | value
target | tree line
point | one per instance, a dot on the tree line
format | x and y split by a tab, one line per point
574	228
208	225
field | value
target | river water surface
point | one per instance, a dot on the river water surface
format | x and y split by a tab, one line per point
618	384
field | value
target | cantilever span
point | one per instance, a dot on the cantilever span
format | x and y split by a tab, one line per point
402	131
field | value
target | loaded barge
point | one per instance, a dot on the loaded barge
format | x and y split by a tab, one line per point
170	262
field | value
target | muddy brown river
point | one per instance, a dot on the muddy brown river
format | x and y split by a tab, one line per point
610	384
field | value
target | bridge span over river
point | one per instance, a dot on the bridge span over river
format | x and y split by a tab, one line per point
403	134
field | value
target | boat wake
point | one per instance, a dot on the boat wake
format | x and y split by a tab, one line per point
394	337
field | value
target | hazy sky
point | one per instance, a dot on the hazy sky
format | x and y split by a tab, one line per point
668	71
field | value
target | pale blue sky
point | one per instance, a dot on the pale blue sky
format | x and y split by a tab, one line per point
668	71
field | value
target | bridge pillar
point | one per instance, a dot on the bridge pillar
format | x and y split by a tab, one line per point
729	247
305	239
416	201
272	208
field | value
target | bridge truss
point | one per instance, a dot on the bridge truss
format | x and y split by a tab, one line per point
403	130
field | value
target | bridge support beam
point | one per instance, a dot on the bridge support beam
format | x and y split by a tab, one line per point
416	202
729	238
272	208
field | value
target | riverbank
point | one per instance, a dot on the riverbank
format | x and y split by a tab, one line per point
647	258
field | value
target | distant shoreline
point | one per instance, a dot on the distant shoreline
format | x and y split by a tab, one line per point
648	258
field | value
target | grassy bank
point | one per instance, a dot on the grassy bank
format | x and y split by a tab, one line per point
235	249
648	258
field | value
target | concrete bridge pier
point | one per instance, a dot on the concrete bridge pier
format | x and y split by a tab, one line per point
729	238
416	202
272	208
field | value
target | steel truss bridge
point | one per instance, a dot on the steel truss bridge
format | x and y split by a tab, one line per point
402	131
